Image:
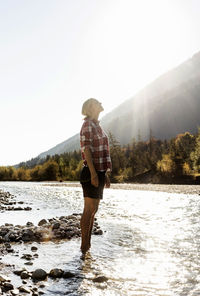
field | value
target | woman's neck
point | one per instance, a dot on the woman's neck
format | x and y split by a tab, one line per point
95	117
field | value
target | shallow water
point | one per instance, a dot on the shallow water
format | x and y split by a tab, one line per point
150	245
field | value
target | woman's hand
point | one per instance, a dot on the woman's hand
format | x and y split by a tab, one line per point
107	184
95	180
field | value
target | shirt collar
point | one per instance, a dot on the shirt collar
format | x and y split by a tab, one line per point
93	120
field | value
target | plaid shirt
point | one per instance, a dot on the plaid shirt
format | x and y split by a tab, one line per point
92	136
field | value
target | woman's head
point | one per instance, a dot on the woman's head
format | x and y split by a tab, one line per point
91	108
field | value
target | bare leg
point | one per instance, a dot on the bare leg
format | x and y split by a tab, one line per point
92	220
87	220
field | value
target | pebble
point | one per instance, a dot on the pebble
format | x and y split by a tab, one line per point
33	249
7	203
100	279
24	275
24	289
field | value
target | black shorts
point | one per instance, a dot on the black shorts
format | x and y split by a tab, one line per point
88	189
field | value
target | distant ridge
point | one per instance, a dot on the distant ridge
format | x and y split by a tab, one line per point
168	106
69	145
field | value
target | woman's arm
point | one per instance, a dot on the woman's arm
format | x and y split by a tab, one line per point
107	180
94	176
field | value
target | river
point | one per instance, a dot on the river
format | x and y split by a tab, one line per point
150	244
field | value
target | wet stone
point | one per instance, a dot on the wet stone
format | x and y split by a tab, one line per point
68	274
98	232
33	248
65	227
24	275
4	278
29	224
56	273
28	263
15	292
8	286
24	289
100	279
39	274
27	257
56	225
42	222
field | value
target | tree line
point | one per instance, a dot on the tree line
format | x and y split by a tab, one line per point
139	161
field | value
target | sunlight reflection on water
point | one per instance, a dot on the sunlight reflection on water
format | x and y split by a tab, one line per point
150	244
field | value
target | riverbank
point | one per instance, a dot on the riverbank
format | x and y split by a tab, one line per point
170	188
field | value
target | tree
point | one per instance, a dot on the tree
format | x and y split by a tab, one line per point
166	165
195	155
49	171
117	156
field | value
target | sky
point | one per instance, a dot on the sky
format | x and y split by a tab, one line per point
55	54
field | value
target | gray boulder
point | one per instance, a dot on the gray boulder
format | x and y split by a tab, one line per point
39	274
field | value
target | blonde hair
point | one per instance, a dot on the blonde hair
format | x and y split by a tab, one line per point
86	108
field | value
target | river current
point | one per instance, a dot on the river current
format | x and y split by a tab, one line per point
150	243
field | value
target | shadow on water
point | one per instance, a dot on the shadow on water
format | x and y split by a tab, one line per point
79	283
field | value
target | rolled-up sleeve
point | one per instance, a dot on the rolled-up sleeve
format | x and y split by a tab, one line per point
86	136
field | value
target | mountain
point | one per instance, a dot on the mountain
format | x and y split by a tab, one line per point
168	106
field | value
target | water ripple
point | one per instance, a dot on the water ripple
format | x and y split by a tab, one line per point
150	245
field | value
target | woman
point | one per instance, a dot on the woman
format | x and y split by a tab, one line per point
97	162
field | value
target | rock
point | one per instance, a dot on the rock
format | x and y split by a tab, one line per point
8	286
15	292
39	274
29	224
27	257
100	279
24	275
16	209
4	278
7	245
18	272
56	273
42	222
33	249
35	289
56	225
28	263
68	274
24	289
98	232
28	235
55	228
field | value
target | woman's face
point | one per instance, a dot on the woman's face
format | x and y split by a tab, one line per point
97	106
